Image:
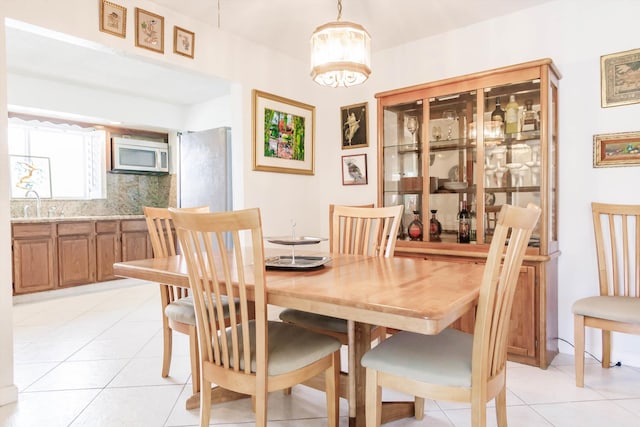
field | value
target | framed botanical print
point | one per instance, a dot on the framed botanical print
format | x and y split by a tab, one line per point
183	42
620	78
149	30
113	19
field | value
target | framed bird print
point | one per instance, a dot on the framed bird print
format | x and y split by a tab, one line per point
354	126
354	169
620	78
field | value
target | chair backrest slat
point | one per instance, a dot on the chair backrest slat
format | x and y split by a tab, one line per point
617	235
217	270
511	237
364	230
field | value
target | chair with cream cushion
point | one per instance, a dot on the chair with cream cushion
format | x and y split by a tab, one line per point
178	313
354	230
252	357
617	308
454	365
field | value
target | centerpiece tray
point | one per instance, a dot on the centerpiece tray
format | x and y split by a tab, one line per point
297	240
298	262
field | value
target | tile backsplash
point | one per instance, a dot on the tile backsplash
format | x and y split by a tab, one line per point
126	195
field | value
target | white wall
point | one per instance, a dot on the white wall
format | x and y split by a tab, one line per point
572	32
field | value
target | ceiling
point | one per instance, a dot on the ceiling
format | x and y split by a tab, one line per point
284	25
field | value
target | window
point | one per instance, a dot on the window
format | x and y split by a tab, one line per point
76	156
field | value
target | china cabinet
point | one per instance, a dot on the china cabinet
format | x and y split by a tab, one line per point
452	154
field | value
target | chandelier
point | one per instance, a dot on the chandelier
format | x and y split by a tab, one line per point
340	53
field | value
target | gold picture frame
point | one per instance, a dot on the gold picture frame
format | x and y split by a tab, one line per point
113	19
283	134
183	42
616	149
355	126
149	30
620	78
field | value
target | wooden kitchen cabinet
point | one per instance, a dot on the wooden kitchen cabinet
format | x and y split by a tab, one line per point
107	249
76	254
136	243
50	255
34	255
449	143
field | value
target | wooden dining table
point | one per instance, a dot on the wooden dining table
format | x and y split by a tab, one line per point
412	294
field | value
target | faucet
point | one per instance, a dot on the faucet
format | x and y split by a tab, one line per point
38	206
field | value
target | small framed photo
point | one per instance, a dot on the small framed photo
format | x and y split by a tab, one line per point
616	149
183	42
149	30
283	134
620	78
354	126
113	19
354	169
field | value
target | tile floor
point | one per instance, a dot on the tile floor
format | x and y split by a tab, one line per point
94	359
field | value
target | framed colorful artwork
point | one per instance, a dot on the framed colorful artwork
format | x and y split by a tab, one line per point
113	19
616	149
283	134
30	174
183	42
355	127
149	30
620	78
354	169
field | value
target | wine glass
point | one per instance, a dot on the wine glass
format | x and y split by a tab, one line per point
412	127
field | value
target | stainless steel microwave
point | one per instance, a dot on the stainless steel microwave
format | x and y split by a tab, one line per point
131	155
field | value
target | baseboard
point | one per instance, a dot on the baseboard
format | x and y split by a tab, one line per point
76	290
8	394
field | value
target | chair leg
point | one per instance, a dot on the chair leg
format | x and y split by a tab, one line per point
606	348
261	408
351	366
373	399
205	403
501	407
167	339
578	338
478	413
195	359
332	386
418	408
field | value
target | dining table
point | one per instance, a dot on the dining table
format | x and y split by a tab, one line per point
400	293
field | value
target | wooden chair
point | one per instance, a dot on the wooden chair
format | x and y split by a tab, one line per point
354	230
454	365
178	313
617	308
257	356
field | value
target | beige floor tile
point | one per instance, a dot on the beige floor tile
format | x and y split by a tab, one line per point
587	414
79	375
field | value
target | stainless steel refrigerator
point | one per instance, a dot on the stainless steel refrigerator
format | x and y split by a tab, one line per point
204	170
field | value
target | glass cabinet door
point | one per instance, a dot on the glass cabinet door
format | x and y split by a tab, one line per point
403	171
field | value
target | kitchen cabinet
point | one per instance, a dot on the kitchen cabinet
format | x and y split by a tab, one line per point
54	254
76	253
136	243
451	146
107	249
34	267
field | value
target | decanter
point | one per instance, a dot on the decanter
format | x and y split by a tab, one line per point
435	228
415	227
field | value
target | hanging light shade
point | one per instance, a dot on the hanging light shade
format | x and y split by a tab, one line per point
340	53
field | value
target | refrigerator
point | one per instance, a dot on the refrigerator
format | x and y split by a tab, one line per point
204	169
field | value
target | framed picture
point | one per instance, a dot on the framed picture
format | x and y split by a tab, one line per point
113	19
354	126
620	78
283	134
29	173
354	169
149	30
183	42
616	149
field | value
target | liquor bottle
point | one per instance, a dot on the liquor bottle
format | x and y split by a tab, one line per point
511	116
529	117
498	113
435	228
415	227
463	224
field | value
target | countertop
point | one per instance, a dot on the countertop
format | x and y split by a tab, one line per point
74	218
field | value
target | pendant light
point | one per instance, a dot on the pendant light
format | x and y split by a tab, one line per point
340	53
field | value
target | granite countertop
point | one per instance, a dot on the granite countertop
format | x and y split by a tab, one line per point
74	218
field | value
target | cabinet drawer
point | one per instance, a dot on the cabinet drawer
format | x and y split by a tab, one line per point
70	228
106	226
133	225
32	230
